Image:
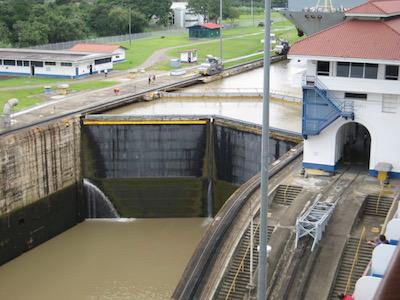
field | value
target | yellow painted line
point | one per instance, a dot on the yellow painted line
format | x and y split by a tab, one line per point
147	122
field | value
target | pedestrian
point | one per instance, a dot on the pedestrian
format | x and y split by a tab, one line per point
149	79
105	73
345	297
381	239
154	77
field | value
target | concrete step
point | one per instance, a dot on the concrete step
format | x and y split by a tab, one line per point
285	194
365	254
234	273
377	206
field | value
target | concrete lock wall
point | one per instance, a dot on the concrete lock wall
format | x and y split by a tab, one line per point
39	186
172	170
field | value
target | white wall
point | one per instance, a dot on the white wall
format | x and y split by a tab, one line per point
384	129
56	70
119	55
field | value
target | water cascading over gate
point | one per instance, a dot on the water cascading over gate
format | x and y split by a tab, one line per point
98	204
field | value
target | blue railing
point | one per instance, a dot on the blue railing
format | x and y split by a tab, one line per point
320	109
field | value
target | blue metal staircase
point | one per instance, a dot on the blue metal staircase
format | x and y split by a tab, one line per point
320	109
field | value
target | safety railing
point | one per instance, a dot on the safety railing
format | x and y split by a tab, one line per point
355	261
240	268
285	194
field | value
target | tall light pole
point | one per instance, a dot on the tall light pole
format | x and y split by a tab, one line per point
252	11
220	31
262	262
130	27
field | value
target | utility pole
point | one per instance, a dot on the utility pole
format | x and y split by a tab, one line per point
130	27
262	262
252	11
220	31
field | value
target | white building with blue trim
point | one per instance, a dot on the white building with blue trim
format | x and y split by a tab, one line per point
49	63
351	90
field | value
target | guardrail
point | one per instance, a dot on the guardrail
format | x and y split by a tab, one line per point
355	261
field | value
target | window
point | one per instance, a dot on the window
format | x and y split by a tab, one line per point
355	96
357	70
8	62
117	56
343	69
26	63
392	72
50	63
66	64
102	61
371	71
19	63
323	68
1	62
38	64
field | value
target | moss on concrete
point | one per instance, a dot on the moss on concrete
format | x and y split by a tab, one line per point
155	197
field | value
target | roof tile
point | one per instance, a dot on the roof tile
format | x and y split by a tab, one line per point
363	39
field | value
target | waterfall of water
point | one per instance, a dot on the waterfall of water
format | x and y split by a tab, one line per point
99	206
210	199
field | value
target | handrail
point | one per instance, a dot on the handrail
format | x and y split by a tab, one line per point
240	267
284	194
355	261
379	199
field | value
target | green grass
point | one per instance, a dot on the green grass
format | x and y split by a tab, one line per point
241	61
31	96
26	81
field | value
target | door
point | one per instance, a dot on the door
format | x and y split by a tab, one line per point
91	69
33	70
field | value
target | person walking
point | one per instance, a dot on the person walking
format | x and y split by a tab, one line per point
149	79
105	73
154	77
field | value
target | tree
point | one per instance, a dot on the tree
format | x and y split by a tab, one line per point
209	9
4	34
30	33
234	14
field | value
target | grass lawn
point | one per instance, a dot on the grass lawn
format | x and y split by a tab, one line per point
144	48
240	46
22	81
31	96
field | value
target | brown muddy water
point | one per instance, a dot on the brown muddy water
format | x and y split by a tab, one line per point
105	259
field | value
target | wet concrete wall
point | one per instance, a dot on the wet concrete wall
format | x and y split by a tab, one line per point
149	170
238	152
172	170
40	193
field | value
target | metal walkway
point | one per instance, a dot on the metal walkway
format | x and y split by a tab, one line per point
314	221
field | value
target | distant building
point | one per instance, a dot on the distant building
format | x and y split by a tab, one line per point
50	63
117	51
205	30
351	90
183	17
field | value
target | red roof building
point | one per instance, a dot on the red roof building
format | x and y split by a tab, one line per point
380	8
365	39
118	51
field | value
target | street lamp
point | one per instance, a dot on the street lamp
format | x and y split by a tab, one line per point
220	30
262	262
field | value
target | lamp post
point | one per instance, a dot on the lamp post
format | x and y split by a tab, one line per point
130	27
252	11
220	31
262	262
